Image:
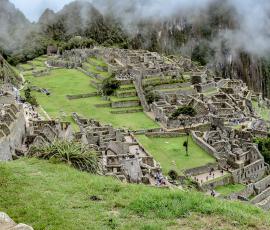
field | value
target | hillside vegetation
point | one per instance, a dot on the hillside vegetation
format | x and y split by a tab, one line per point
53	196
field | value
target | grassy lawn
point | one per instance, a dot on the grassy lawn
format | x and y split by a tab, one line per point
263	112
172	155
56	197
97	61
228	189
62	82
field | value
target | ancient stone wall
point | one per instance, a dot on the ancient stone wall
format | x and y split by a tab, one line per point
121	104
209	149
9	143
225	180
201	170
79	96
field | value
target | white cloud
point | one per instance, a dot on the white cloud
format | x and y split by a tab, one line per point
34	8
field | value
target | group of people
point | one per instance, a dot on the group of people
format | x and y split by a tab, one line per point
160	180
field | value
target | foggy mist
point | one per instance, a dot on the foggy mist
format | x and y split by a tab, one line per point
252	16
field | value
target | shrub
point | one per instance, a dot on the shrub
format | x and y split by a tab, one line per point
185	110
29	97
151	97
173	174
264	148
71	153
109	86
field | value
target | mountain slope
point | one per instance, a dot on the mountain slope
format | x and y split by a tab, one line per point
8	73
52	196
14	25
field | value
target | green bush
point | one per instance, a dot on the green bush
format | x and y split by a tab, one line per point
264	148
29	97
151	97
109	86
71	153
185	110
173	174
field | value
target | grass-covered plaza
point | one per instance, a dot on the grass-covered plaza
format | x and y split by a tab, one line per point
171	153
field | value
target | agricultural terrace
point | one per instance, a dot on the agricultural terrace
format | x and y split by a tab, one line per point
63	82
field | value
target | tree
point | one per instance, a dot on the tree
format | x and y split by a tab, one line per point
264	147
202	53
151	97
109	86
184	110
173	174
29	97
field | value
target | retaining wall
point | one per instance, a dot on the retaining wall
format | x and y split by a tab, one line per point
8	144
124	104
79	96
165	134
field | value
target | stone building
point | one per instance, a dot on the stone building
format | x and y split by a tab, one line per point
122	156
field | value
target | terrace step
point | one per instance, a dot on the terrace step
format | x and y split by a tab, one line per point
126	87
125	103
172	86
126	93
127	110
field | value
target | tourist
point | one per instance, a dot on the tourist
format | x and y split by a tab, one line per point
159	178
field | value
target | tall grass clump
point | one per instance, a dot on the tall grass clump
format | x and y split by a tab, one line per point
72	153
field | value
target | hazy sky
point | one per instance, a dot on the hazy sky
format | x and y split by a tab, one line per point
34	8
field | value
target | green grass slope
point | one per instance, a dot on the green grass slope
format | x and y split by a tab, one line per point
49	196
63	82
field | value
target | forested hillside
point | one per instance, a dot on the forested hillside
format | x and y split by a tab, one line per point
205	36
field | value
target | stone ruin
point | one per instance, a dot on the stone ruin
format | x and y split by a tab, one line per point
45	132
19	130
234	152
41	73
231	101
13	129
122	156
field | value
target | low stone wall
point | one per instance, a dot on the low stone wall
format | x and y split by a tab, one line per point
124	104
201	170
209	149
262	184
41	73
105	105
63	64
225	180
90	74
165	134
247	192
144	131
261	196
127	111
79	96
126	94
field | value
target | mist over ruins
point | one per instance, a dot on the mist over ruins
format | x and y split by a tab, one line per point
139	114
